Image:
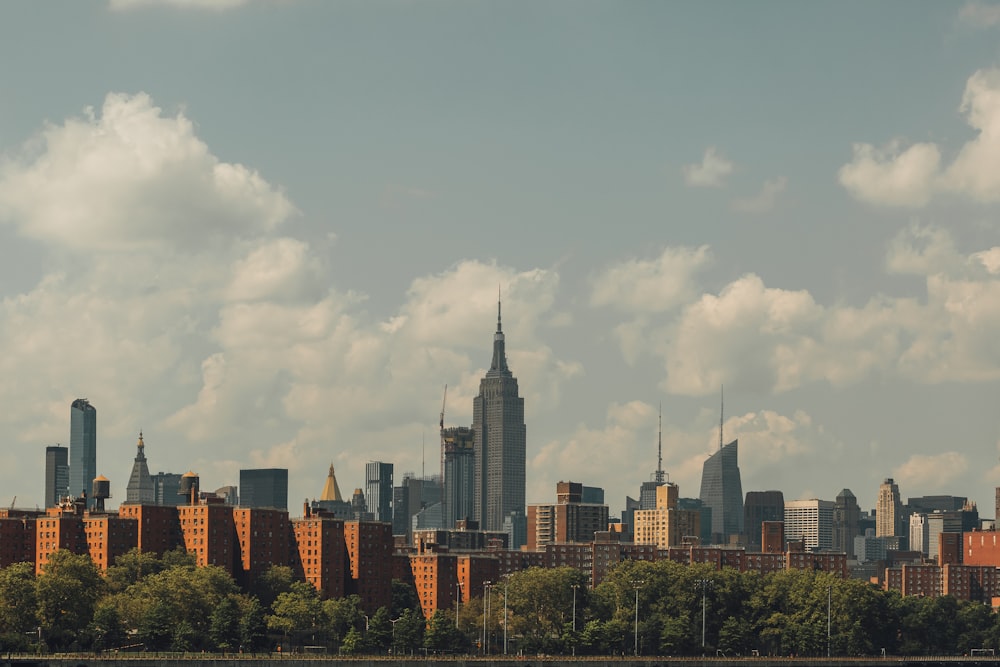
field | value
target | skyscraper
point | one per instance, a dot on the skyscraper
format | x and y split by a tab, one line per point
758	507
888	510
457	474
56	474
82	448
378	490
264	487
140	483
810	521
722	491
846	519
499	442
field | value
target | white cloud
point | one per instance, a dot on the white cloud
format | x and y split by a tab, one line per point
980	15
651	285
214	5
934	472
711	172
764	200
133	178
911	176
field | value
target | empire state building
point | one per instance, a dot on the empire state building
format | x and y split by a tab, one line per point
499	445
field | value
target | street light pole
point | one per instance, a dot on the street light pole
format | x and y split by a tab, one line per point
829	601
457	599
636	641
505	582
575	586
704	583
486	589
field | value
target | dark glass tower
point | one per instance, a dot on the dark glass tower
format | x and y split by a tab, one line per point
82	448
264	487
722	490
378	490
499	442
140	483
56	474
457	474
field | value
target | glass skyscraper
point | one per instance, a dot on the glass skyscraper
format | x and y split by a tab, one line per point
378	490
457	474
722	490
264	487
82	448
499	442
56	474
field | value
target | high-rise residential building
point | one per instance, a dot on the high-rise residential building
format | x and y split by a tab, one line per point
457	474
264	487
761	506
56	474
810	521
82	448
888	510
666	525
570	519
140	482
846	522
378	490
499	442
722	490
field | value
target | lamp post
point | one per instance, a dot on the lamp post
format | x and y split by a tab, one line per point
637	585
829	604
505	582
457	599
574	587
486	612
704	583
393	644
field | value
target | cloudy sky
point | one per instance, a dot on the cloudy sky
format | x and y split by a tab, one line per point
268	233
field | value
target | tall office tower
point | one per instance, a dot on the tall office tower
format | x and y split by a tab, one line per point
761	506
264	487
82	448
140	483
919	535
413	496
888	510
499	442
457	472
666	525
722	490
56	474
378	490
166	489
846	522
810	521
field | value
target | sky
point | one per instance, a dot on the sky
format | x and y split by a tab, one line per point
268	233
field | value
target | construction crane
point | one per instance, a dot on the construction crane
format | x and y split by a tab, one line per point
443	401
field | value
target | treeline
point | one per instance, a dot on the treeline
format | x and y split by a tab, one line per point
653	608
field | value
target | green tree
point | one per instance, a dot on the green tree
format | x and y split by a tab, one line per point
253	624
341	615
408	632
18	599
224	624
297	613
379	634
130	568
540	601
106	629
442	635
271	583
353	642
68	590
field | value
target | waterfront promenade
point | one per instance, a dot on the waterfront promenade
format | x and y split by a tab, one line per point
299	660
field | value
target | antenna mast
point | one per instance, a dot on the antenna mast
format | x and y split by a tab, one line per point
722	411
659	448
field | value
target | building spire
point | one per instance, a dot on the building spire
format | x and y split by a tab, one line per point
499	362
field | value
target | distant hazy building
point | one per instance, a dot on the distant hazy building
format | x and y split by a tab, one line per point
264	487
810	521
568	520
378	490
666	525
82	448
499	442
919	536
166	489
888	510
722	490
331	500
704	516
230	494
761	506
140	482
56	474
846	522
412	496
457	474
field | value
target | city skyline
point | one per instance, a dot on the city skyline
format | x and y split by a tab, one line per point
277	256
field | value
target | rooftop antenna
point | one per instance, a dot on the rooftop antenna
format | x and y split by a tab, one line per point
722	411
423	437
443	400
659	448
